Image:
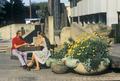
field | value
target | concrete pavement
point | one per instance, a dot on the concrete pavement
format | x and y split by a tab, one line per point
115	50
10	70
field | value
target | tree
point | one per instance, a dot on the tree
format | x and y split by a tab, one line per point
7	9
41	9
17	11
12	12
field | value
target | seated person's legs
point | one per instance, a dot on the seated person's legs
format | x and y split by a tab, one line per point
31	61
36	62
17	53
24	54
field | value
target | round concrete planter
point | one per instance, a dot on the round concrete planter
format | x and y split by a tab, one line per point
81	68
70	62
50	61
59	67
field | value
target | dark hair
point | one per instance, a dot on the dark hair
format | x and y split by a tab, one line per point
18	32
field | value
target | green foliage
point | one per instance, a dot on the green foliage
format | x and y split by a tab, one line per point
61	53
18	7
90	49
91	52
15	11
64	50
7	9
41	9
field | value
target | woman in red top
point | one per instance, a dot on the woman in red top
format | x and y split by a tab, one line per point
17	42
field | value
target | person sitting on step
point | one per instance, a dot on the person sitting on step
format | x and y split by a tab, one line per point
40	57
17	42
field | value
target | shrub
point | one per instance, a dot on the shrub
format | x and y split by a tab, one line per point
61	53
90	49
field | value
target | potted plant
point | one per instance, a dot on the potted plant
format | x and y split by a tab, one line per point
92	52
55	61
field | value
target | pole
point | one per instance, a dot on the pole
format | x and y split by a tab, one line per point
30	9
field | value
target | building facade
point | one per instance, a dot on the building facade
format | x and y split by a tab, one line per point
59	12
54	10
95	11
51	7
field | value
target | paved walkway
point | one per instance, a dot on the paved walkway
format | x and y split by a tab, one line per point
10	71
115	50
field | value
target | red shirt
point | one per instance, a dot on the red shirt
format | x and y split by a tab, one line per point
18	41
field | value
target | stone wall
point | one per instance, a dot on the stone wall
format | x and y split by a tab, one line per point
65	34
70	32
76	29
9	31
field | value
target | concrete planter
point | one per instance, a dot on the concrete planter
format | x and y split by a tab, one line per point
70	62
59	68
81	68
50	61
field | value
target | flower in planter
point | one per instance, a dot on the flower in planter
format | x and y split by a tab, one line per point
63	50
90	49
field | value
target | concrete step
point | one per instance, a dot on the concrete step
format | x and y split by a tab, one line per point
4	48
2	51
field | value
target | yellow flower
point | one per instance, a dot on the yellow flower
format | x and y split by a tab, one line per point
83	47
78	53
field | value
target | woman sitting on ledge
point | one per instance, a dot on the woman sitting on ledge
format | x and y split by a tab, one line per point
40	57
